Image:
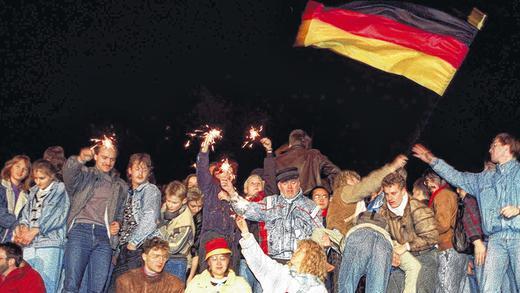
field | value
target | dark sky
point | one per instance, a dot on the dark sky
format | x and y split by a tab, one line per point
152	70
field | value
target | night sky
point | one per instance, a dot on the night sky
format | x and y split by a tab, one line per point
152	70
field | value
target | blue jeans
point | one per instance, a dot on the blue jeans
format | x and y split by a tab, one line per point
244	271
88	245
452	270
366	252
177	267
502	255
48	262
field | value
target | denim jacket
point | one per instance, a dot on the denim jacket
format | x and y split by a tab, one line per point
53	219
494	190
286	221
146	207
9	209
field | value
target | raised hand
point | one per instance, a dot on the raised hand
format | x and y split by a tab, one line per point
267	144
399	162
241	224
85	155
422	153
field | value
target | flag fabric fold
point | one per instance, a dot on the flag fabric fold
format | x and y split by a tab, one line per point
420	43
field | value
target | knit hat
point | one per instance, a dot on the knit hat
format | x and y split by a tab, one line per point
287	174
216	246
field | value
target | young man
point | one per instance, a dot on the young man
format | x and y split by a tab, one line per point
97	195
140	214
16	274
498	195
412	225
151	277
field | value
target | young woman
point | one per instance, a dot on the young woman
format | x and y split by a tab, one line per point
218	277
42	226
13	193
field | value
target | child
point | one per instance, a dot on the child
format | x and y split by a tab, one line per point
177	228
42	226
195	204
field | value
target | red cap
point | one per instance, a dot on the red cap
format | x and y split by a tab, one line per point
216	246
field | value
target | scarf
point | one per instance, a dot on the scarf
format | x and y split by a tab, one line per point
434	194
399	211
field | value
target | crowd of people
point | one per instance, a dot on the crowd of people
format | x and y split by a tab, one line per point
297	224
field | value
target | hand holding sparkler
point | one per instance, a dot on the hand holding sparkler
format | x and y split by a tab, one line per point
208	136
254	134
268	145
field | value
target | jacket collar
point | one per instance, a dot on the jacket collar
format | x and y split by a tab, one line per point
506	167
141	186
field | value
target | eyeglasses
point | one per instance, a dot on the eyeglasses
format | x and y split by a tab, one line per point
159	256
320	196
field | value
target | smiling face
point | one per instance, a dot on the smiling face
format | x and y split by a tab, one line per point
105	159
218	265
19	171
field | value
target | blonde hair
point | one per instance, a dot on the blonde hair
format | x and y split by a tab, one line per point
343	176
6	171
176	189
315	260
248	180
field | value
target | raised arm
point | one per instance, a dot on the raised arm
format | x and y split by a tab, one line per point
75	172
371	182
269	177
465	180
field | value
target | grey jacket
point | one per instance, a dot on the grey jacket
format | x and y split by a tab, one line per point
80	181
286	221
52	221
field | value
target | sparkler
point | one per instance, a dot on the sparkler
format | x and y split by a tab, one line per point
108	142
226	167
206	134
252	136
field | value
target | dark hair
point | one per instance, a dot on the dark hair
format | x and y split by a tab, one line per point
419	184
430	175
155	243
319	187
14	251
300	137
55	155
393	178
508	139
187	179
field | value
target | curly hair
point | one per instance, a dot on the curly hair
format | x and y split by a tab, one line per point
315	260
155	243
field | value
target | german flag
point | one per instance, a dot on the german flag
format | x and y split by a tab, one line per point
420	43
